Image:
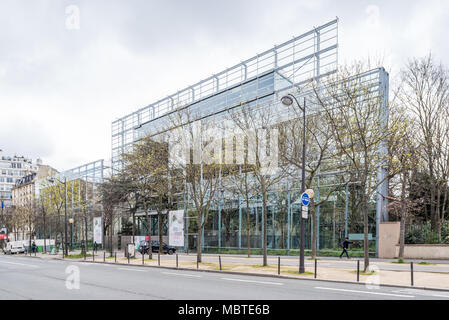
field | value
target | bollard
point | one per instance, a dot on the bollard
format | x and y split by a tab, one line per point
93	256
316	263
279	265
128	257
411	272
84	255
176	261
158	259
35	253
219	260
197	262
143	257
115	257
104	256
358	270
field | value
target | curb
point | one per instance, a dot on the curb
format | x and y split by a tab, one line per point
253	274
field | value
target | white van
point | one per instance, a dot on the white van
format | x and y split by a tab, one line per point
14	247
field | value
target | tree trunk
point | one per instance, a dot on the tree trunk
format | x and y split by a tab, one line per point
45	235
265	233
403	218
437	212
134	223
248	236
86	244
161	227
314	229
365	229
199	237
150	247
110	237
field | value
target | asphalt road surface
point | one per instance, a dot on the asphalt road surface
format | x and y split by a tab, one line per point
34	278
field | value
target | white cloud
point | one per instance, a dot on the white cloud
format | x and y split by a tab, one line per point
61	88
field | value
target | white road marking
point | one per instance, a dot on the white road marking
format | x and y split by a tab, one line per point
22	264
367	292
132	269
421	292
181	274
253	281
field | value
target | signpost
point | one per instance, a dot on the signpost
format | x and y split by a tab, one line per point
305	200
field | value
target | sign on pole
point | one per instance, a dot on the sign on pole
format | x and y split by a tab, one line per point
176	228
305	212
305	199
98	230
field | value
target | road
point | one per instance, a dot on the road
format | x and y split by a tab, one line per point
34	278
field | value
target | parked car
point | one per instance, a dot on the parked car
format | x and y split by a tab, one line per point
143	247
14	247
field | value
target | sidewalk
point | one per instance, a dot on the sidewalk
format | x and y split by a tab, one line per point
341	270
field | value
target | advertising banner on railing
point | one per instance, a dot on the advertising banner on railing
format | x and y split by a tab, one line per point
176	228
98	230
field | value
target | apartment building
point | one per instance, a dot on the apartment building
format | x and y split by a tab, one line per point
13	169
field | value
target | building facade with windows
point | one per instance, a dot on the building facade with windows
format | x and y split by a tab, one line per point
12	169
24	191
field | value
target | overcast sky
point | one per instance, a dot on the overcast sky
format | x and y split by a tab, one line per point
61	86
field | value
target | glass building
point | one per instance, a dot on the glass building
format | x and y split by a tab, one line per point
259	82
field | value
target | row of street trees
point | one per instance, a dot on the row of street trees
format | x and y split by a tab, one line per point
43	215
253	149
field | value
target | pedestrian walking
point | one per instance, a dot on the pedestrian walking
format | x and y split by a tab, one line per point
345	245
33	246
95	246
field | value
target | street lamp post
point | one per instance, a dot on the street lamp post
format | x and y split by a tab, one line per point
287	100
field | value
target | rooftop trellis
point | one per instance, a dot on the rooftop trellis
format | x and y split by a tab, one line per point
302	58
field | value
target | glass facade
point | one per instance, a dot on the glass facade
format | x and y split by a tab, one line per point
259	82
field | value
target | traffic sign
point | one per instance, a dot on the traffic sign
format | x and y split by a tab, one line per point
305	199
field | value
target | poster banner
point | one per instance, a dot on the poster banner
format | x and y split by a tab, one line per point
176	228
98	230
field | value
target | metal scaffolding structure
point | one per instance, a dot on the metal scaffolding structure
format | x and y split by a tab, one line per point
265	77
308	56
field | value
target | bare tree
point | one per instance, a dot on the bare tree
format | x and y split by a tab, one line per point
404	150
425	92
321	152
257	123
358	123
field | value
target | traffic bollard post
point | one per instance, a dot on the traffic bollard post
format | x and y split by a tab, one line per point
176	261
316	263
219	260
158	259
143	257
104	256
358	270
128	257
279	265
115	257
411	272
197	262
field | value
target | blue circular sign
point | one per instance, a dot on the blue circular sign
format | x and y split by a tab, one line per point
305	199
